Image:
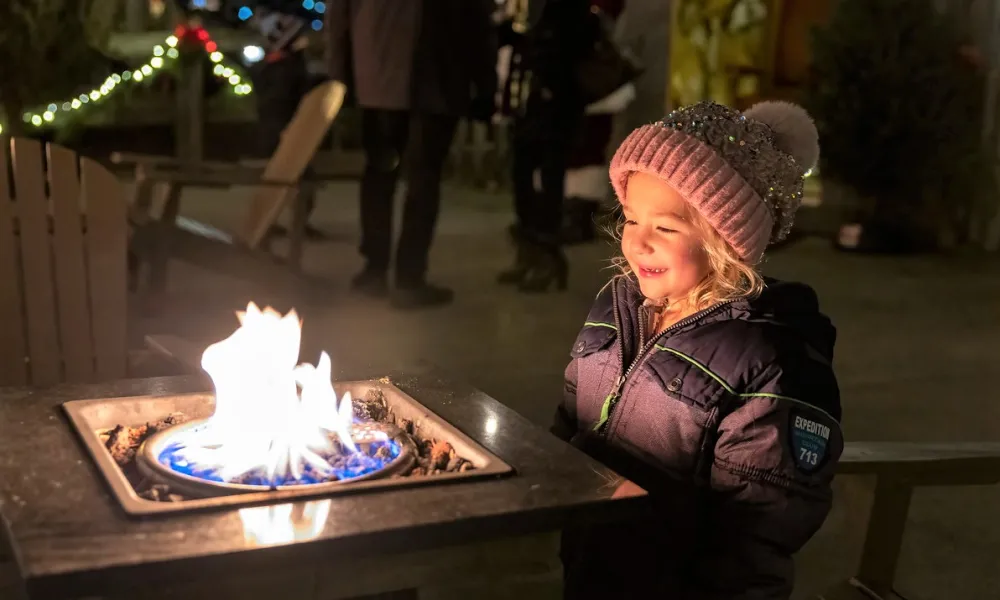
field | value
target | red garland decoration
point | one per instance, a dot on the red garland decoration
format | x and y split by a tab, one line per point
190	37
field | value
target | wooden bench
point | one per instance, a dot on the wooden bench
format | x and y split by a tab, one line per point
898	468
275	185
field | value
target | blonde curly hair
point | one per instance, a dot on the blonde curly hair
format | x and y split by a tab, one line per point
729	277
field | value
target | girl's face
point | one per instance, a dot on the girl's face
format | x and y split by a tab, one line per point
662	247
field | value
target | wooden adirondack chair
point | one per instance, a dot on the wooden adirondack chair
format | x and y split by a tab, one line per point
274	186
63	296
63	238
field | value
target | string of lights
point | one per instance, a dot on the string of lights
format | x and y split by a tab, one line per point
162	55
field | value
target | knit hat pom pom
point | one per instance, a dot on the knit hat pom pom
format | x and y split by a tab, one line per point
794	131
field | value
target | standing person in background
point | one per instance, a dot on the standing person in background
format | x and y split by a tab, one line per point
415	67
281	78
545	124
586	177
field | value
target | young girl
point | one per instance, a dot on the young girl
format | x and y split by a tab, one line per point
697	379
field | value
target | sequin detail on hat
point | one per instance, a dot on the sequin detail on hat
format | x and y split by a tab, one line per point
748	147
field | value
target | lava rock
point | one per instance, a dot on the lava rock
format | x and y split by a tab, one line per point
373	407
441	452
166	422
157	493
123	441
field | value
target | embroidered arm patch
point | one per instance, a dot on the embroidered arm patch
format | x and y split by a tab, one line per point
809	439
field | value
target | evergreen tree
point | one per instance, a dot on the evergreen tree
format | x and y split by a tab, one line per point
899	111
48	48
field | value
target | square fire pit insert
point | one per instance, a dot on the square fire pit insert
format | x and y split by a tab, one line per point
90	418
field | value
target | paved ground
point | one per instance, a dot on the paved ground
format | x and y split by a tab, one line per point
917	355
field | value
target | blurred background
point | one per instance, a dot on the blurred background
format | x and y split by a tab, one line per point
898	232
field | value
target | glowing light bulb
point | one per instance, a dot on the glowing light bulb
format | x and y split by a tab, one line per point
320	7
84	98
317	25
172	53
172	41
48	116
226	72
52	108
234	79
1	128
127	76
36	120
116	78
67	106
215	56
308	4
218	69
244	13
156	62
253	54
157	50
94	95
75	104
146	70
137	76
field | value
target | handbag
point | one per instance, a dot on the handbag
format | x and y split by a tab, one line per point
605	67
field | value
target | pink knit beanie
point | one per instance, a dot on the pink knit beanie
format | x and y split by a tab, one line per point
742	172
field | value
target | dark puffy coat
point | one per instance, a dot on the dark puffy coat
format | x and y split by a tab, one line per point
433	56
730	419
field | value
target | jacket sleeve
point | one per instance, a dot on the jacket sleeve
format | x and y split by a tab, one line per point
338	41
564	425
770	481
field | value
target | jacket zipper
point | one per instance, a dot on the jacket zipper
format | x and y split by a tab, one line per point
612	399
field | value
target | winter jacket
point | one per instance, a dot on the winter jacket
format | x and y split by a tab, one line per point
729	418
433	56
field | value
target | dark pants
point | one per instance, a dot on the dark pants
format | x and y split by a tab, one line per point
279	87
425	140
543	138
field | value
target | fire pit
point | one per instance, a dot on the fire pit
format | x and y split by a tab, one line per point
272	431
380	451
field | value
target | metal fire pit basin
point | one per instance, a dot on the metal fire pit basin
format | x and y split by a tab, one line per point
90	418
147	460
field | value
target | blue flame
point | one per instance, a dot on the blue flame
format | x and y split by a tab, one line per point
355	465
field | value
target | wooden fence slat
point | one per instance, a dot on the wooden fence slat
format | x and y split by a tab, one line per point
70	267
39	296
13	350
106	240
